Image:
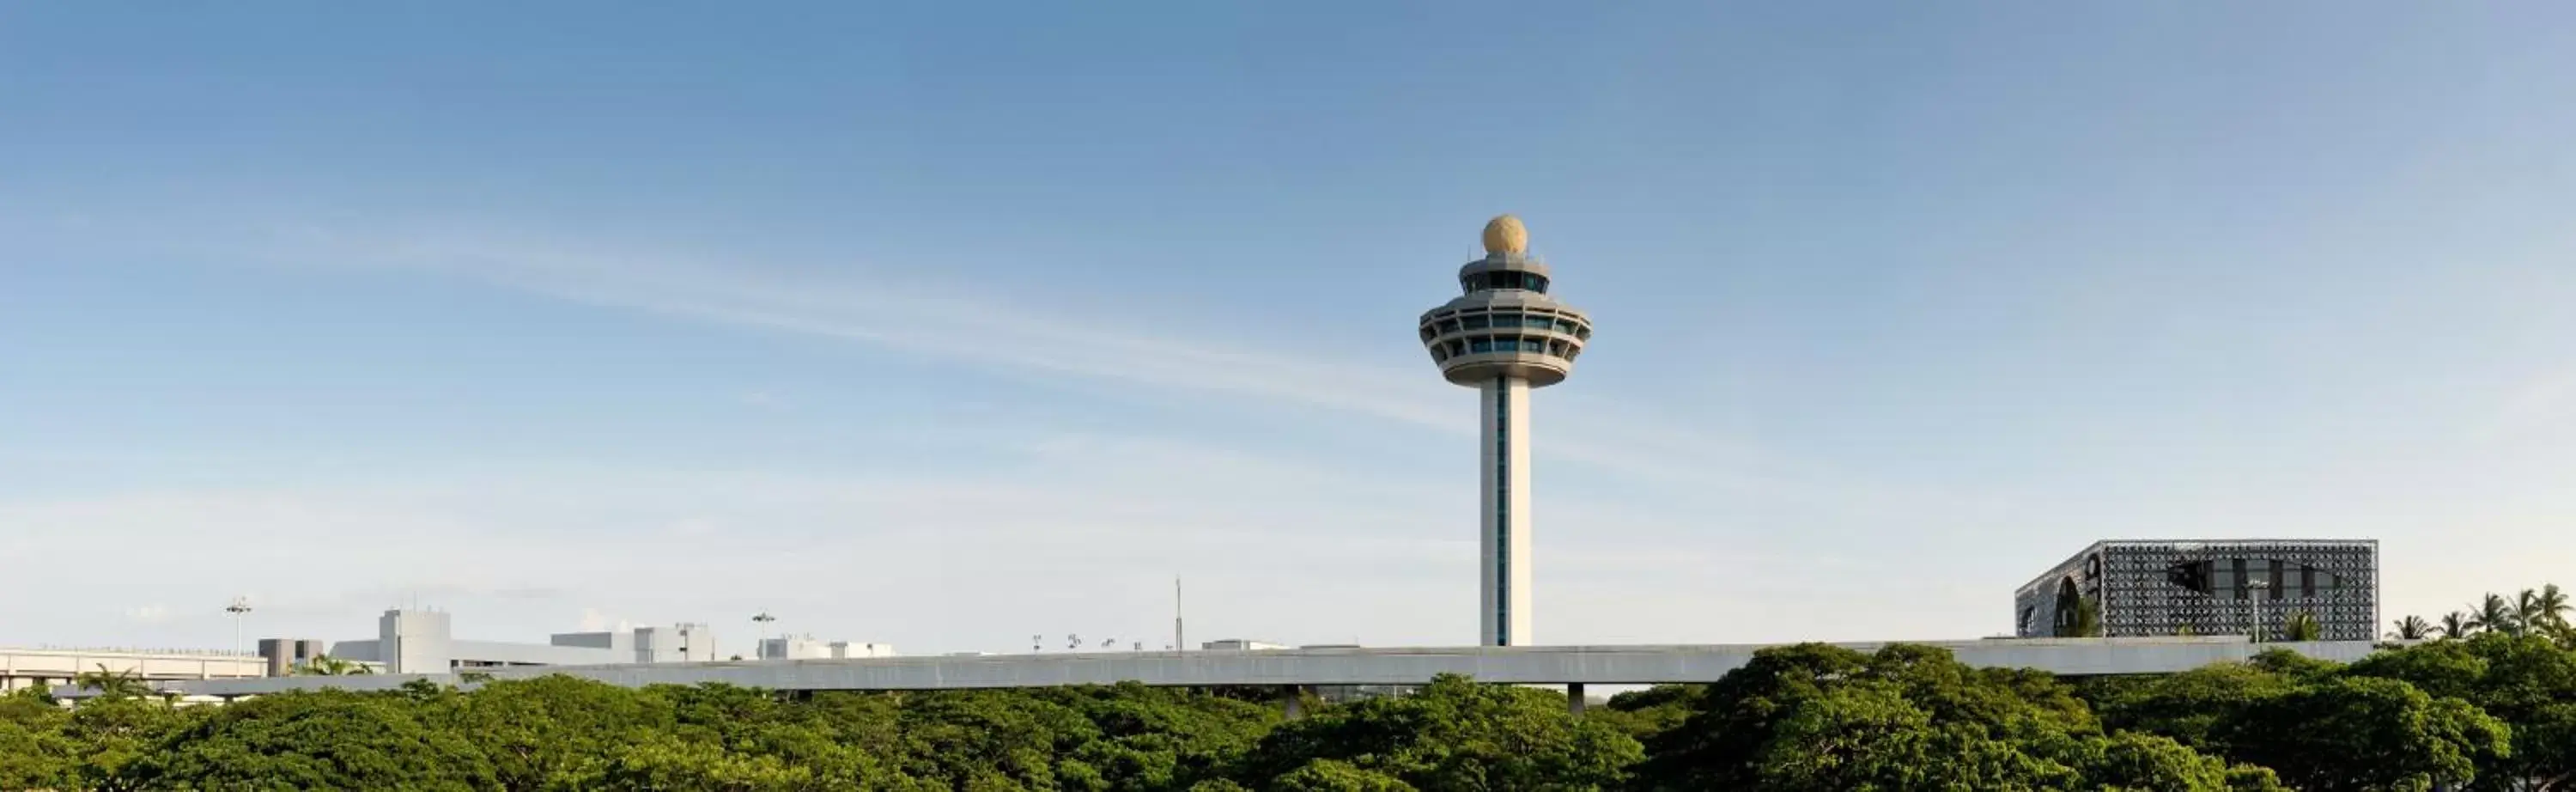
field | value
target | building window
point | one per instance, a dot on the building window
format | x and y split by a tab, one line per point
1480	346
1448	325
1506	320
1583	332
1537	322
1532	345
1565	326
2192	575
2241	580
1428	333
1506	279
1477	321
2278	581
1556	348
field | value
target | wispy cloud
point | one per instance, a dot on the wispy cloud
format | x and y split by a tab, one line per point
877	308
886	312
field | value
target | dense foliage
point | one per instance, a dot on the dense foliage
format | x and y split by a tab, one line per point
2492	711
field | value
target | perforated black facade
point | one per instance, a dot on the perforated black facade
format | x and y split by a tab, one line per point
2211	587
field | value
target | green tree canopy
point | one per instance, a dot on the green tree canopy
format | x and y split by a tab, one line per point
1451	736
2360	734
2527	682
1812	718
550	730
327	740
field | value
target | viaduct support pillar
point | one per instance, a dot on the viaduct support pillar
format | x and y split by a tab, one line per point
1292	701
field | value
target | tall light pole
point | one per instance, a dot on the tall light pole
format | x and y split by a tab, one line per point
1504	336
2258	587
760	636
240	607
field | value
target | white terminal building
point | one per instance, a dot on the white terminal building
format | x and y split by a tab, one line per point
423	642
808	648
1504	336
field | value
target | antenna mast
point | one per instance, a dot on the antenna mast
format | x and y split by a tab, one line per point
1178	645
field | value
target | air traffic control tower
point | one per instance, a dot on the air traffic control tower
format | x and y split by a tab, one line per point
1503	337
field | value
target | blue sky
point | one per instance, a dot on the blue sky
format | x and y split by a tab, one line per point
948	324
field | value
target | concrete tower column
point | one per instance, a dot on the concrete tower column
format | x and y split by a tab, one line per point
1506	537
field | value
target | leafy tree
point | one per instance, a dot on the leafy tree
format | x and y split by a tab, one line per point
1334	775
544	731
2360	734
2191	707
665	763
326	740
2411	628
988	739
1161	739
1644	713
2135	761
1450	736
2529	683
1816	717
32	755
108	735
32	707
2447	668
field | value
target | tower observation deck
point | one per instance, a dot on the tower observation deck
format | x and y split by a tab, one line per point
1504	336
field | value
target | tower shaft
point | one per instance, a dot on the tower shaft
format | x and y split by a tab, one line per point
1505	601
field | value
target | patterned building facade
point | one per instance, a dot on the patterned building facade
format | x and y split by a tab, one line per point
2212	587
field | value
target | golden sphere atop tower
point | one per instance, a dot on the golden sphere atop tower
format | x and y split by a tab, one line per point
1504	234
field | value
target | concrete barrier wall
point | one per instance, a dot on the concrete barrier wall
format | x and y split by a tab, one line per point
1609	665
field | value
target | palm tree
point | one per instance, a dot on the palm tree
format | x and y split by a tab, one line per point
2457	624
2526	611
2547	610
2302	626
114	684
2411	628
2496	615
326	665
